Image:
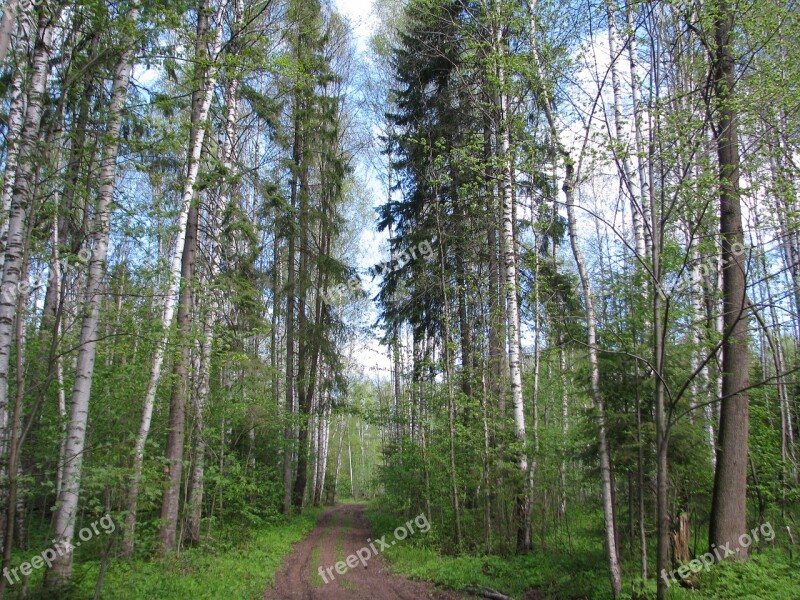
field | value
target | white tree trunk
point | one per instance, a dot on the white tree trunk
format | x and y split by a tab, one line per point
17	109
350	460
627	173
55	279
614	569
196	489
638	127
323	455
15	119
19	211
615	572
700	383
7	26
67	506
340	429
510	267
509	259
202	393
171	296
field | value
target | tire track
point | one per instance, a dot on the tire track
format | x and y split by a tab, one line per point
299	578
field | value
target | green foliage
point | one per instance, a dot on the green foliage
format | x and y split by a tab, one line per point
239	564
577	570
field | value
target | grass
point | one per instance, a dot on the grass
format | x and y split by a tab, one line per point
346	584
344	528
316	562
581	573
771	575
236	570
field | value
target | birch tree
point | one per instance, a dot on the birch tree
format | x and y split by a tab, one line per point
21	201
59	574
207	48
570	178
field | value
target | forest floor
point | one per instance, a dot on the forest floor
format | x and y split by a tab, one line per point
341	532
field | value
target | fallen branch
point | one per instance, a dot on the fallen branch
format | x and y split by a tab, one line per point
485	592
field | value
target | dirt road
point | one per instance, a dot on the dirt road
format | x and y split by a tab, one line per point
340	532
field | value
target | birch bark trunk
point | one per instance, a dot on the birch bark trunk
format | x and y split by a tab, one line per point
60	573
14	500
19	207
614	569
615	572
7	26
195	501
201	103
621	153
16	117
509	260
638	127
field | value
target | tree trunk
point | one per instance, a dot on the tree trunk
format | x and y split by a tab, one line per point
21	200
562	467
640	481
7	26
662	429
621	153
180	383
59	575
495	322
729	500
614	569
13	498
201	102
332	491
638	127
350	462
290	408
448	375
308	350
701	337
522	501
16	117
200	397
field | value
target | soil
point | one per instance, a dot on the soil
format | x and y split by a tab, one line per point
340	532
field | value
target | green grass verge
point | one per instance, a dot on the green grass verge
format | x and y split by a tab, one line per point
240	570
768	575
581	574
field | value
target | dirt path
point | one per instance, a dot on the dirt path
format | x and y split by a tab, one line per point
340	532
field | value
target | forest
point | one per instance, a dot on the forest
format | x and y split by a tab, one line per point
516	280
